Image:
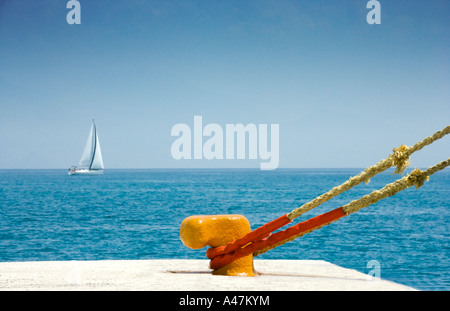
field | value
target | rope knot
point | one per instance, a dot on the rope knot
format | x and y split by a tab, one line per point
418	178
400	158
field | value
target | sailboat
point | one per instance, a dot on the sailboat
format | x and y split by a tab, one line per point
91	162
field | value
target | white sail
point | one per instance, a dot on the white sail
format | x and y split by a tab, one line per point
86	157
97	161
91	161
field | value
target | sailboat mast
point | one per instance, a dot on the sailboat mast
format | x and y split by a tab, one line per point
94	134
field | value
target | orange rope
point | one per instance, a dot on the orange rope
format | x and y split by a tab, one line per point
225	258
261	240
250	237
224	255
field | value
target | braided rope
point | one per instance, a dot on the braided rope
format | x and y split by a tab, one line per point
256	244
415	178
399	158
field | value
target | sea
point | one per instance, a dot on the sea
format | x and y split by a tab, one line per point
136	214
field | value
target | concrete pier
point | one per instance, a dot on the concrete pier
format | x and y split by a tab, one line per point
184	275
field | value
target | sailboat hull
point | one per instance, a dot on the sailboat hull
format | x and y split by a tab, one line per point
85	172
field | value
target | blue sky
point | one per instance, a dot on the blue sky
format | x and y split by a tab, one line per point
343	92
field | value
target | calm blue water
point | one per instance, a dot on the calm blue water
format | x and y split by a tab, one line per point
136	214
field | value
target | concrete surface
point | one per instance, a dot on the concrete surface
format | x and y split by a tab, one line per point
184	275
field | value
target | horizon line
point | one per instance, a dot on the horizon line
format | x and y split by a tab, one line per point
206	168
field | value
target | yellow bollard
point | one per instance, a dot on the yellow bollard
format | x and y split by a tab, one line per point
217	230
